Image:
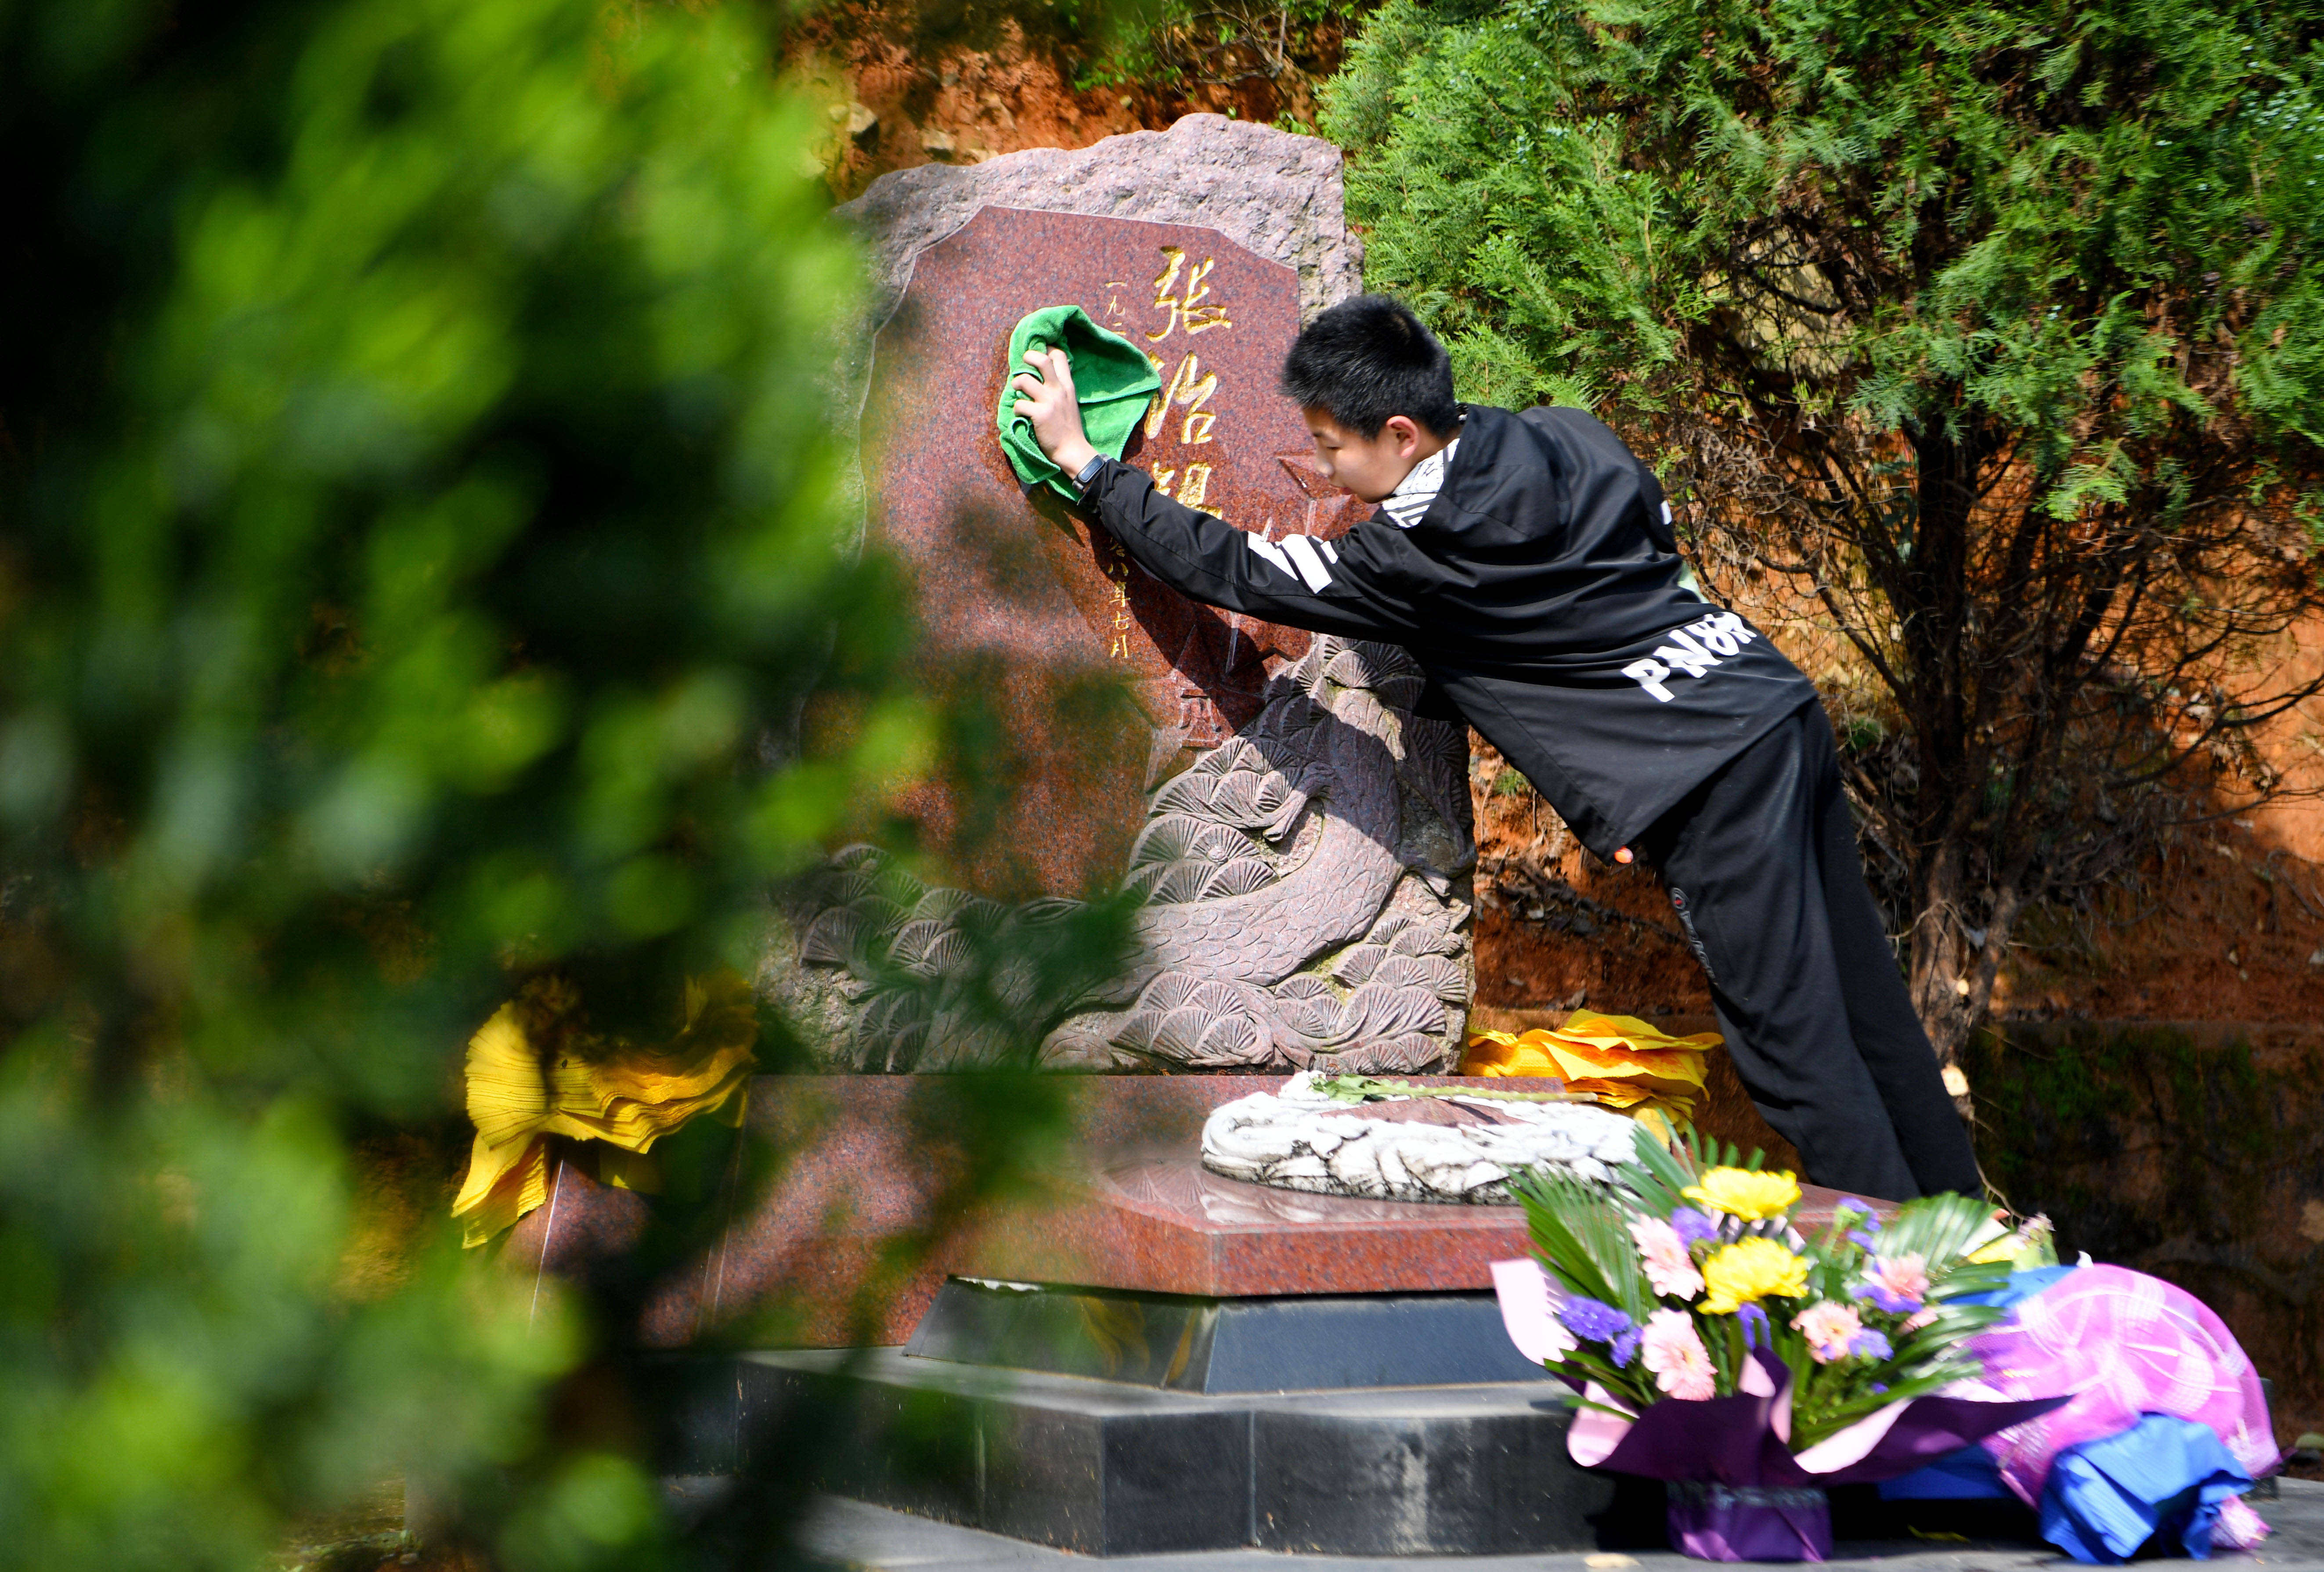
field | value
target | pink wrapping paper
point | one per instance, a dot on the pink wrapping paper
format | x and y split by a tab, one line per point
1741	1444
2118	1344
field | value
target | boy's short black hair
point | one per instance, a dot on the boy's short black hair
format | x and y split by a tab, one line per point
1369	358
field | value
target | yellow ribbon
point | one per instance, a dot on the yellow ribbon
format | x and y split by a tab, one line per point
1623	1061
533	1074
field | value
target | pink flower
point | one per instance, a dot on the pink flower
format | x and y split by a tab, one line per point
1670	1270
1674	1353
1829	1330
1920	1321
1897	1284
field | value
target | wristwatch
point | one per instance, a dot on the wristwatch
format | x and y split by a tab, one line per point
1089	471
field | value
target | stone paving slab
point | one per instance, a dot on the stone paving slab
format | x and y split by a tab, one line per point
853	1534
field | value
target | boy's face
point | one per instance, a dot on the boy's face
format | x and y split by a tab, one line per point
1370	466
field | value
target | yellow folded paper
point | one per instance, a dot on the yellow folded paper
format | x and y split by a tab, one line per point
1624	1062
535	1071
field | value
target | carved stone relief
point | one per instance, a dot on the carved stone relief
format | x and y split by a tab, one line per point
1305	887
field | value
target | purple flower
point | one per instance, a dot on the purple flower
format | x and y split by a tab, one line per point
1895	1304
1870	1345
1692	1225
1866	1234
1755	1327
1592	1319
1879	1386
1624	1347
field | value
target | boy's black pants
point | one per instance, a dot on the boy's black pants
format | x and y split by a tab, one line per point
1762	866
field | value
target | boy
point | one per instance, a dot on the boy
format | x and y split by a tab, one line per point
1528	564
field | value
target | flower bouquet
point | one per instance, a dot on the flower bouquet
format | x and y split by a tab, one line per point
1716	1346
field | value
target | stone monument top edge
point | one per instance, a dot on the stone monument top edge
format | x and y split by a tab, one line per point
1161	230
1275	193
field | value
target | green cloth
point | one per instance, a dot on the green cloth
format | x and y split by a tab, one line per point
1113	379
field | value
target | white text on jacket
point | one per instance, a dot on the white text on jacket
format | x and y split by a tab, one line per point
1692	651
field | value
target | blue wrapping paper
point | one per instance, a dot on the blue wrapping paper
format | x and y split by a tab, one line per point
2107	1498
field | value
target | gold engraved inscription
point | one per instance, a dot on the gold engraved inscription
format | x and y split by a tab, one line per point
1185	307
1182	292
1192	387
1117	575
1158	405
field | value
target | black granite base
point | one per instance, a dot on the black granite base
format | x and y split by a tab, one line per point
1311	1342
1110	1469
1125	1424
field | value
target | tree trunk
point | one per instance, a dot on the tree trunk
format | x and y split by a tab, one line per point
1954	963
1943	956
1929	592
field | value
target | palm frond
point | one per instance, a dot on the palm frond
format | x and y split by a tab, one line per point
1939	1228
1656	1173
1582	1239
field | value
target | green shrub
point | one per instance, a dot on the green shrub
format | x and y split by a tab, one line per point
1992	330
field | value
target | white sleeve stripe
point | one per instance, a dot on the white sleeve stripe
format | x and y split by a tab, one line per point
1272	552
1304	558
1330	551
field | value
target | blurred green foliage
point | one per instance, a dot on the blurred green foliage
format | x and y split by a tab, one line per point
423	524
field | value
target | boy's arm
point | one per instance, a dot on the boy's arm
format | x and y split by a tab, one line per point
1299	581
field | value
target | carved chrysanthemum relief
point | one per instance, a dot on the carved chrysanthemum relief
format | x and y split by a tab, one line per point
1304	906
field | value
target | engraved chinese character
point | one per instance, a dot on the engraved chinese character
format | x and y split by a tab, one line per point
1192	386
1197	484
1185	307
1160	402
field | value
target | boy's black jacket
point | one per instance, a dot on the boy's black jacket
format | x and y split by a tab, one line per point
1542	592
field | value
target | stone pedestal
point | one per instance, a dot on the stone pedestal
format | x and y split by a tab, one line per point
1223	1345
1110	1469
864	1167
1145	1357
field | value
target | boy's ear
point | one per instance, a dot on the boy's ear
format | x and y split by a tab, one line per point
1403	433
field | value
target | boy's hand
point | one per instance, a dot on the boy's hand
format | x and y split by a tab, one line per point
1050	403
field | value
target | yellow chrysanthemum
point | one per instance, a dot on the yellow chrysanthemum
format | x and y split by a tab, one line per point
1750	1270
1741	1193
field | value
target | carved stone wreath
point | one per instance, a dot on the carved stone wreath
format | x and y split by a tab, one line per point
1303	885
1461	1149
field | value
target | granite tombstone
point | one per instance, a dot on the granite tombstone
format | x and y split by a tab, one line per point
1299	836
